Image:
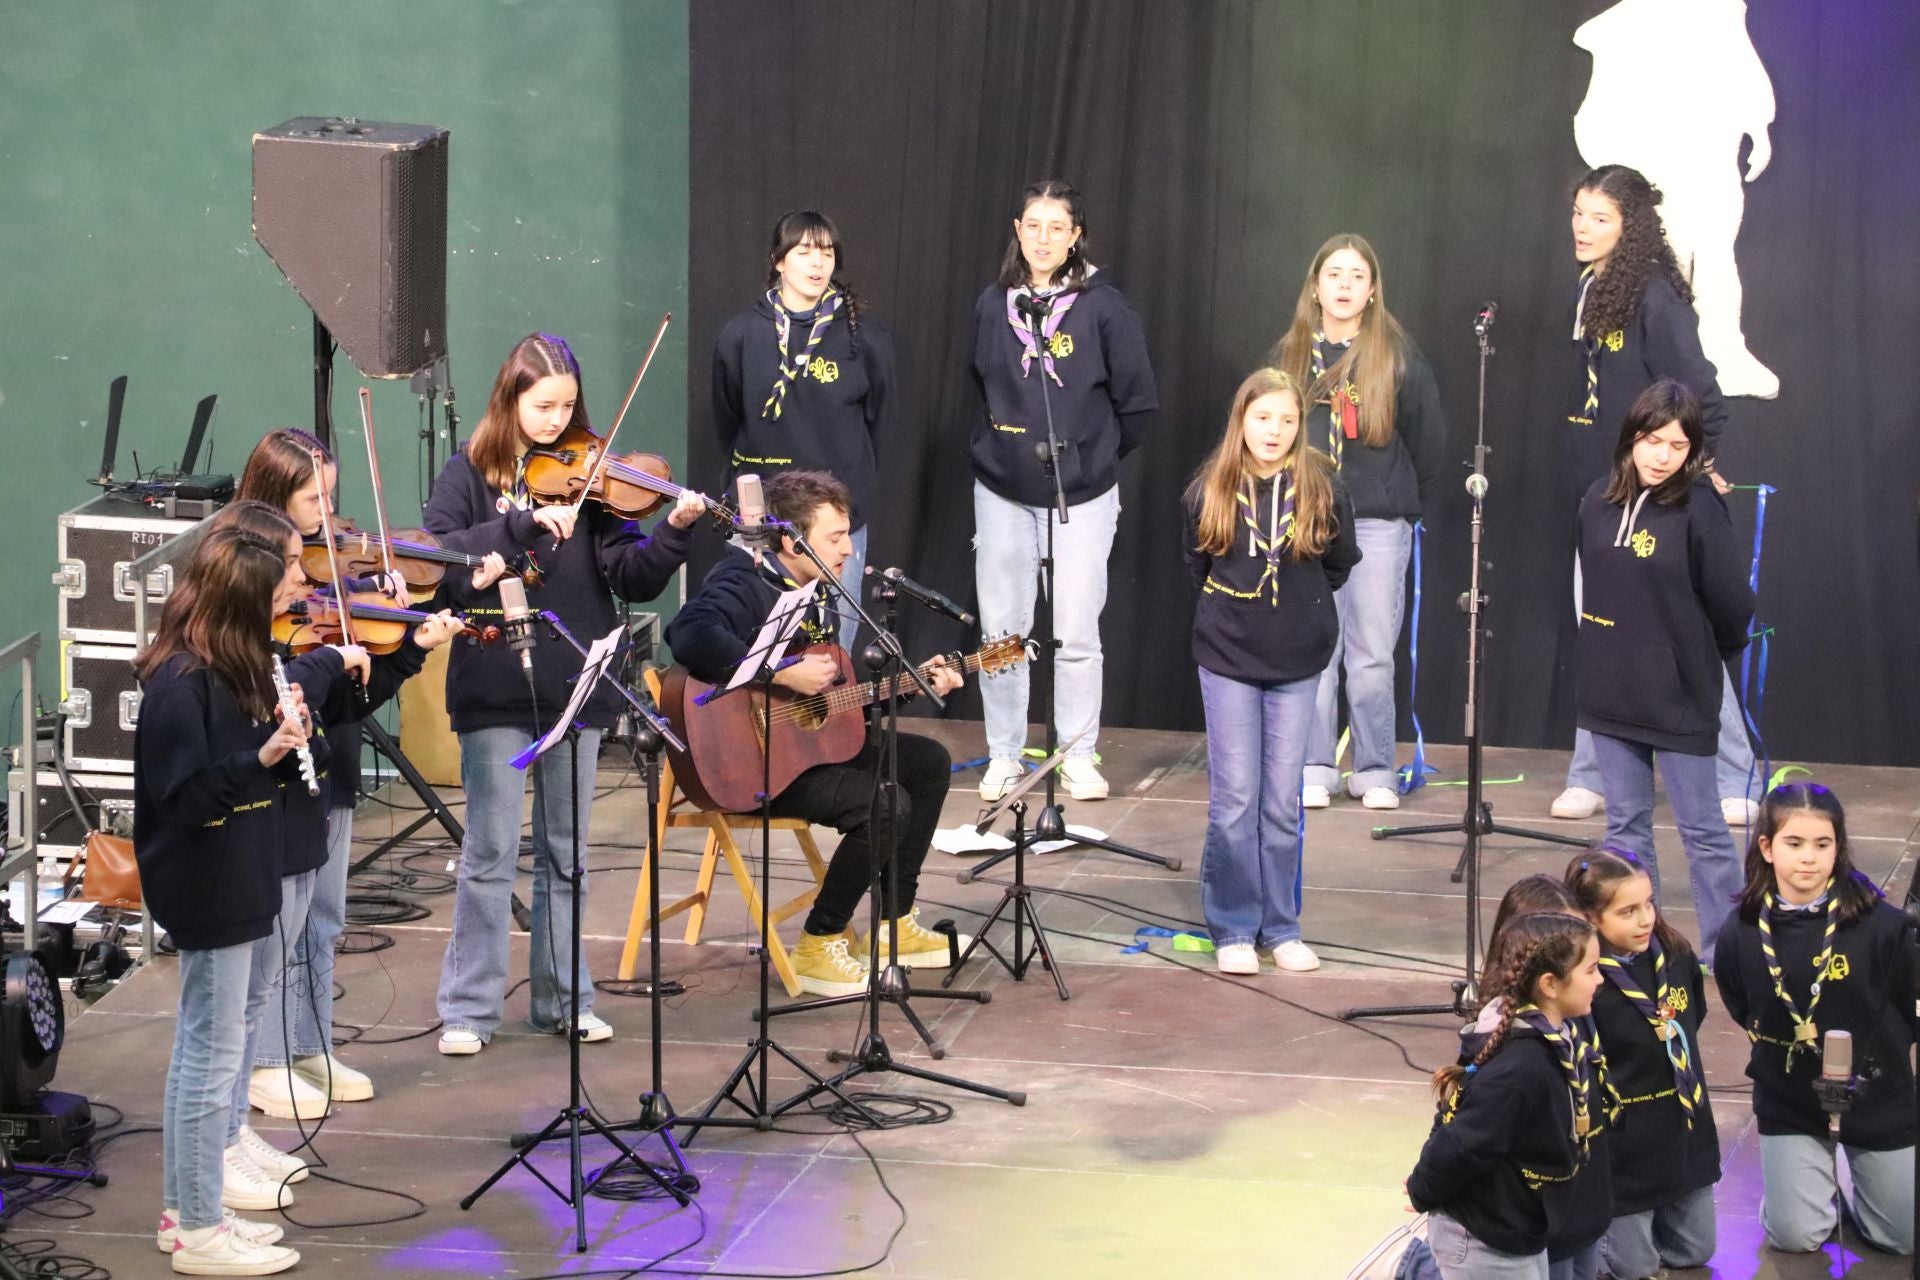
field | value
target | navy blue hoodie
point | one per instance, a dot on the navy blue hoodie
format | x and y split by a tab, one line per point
1396	480
1101	408
835	411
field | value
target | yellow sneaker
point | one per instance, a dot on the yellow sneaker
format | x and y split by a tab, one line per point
920	947
825	968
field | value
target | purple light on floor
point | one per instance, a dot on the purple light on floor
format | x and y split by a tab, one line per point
461	1251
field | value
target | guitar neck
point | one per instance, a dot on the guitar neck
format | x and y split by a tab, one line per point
862	695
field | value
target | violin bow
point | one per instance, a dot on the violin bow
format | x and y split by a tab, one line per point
606	445
373	470
333	555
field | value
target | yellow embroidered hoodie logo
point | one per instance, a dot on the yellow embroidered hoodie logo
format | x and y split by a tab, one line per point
1642	543
824	370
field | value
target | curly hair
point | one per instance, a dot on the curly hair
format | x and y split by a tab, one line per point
1643	252
1539	944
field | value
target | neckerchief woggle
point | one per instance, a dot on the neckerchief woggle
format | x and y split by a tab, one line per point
1659	1011
791	366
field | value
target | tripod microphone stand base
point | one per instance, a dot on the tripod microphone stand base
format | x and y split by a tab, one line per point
1477	821
1019	896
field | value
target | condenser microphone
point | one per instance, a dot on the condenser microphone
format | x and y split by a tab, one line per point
516	622
1483	319
1835	1085
751	526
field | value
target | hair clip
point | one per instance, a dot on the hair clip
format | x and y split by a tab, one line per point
1583	864
1472	1067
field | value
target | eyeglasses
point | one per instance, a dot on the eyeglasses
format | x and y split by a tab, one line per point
1050	231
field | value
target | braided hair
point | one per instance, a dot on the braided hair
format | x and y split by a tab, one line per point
1534	946
795	228
1643	252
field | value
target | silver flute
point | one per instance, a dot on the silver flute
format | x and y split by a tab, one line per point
292	712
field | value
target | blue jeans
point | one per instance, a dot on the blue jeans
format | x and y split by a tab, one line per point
1713	864
274	987
1371	606
1735	772
473	978
209	1043
1009	540
306	987
1681	1234
1250	864
1584	1265
1799	1187
1463	1256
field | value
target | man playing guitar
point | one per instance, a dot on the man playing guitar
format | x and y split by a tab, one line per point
710	635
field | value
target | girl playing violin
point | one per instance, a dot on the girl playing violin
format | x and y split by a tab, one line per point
481	503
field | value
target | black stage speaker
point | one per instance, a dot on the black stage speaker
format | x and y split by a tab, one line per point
354	214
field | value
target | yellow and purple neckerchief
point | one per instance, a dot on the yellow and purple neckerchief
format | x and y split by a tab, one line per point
1576	1060
1659	1011
1270	544
1343	406
1030	346
1805	1034
792	366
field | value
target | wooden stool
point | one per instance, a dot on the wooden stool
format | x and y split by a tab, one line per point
679	812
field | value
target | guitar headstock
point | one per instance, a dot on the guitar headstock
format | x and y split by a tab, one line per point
997	655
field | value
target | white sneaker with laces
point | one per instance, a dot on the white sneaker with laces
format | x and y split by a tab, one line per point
1381	798
457	1042
335	1078
1295	957
244	1185
251	1232
222	1251
1001	777
1312	797
593	1028
280	1166
1576	803
1739	811
1083	778
1238	958
285	1095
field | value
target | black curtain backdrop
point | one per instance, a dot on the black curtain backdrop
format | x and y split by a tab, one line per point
1218	144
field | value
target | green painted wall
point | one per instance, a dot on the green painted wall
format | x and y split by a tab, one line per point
126	242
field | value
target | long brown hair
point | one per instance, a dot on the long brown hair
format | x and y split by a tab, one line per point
1529	895
1853	894
496	443
1215	487
1666	400
279	465
1374	361
1547	942
1595	876
222	617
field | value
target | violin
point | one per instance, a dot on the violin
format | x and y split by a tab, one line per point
414	554
378	627
632	486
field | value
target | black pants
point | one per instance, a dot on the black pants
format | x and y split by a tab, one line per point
841	796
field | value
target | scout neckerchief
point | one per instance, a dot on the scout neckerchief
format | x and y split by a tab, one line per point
792	366
1023	329
1576	1059
1271	544
1662	1015
1805	1034
1343	407
814	622
1592	405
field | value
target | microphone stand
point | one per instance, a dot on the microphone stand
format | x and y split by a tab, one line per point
1477	822
1050	818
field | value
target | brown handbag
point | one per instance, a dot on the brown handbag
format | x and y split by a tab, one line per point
108	872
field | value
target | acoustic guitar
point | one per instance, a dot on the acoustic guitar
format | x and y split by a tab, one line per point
721	769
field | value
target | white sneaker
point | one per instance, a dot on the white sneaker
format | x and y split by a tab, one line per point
278	1165
1381	798
244	1185
1083	778
457	1042
1237	958
334	1078
1739	811
251	1232
593	1028
222	1251
1295	957
1312	797
284	1095
1576	803
1001	777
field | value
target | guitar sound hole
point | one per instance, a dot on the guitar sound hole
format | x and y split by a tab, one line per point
810	712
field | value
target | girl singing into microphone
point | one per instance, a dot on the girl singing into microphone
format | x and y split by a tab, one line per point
1375	411
1814	949
210	754
803	379
481	504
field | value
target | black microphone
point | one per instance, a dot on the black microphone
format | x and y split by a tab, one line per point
516	622
1034	307
1835	1085
925	595
1483	319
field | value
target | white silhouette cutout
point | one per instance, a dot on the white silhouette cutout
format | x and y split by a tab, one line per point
1683	131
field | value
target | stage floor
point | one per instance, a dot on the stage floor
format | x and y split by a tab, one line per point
1176	1122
